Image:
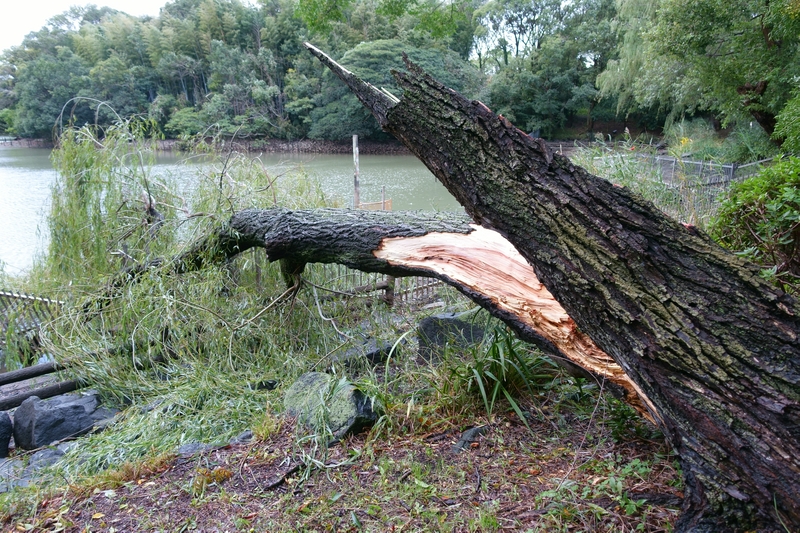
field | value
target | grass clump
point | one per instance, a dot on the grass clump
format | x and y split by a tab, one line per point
696	139
686	190
631	164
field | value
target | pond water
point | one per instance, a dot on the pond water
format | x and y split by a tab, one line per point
26	175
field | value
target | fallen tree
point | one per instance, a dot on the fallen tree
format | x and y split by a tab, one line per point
710	344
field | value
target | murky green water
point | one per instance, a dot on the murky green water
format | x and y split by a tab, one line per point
26	175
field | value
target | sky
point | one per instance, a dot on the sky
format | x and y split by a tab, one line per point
20	17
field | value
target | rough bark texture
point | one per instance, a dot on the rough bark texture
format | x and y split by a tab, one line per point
478	262
711	344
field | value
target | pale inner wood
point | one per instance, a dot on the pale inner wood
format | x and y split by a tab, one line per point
486	262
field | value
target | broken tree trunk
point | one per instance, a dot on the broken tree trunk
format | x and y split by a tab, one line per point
478	262
710	343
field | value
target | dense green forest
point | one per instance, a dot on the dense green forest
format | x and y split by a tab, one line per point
229	67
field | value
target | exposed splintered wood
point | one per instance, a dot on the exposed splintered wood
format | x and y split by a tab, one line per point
712	346
484	262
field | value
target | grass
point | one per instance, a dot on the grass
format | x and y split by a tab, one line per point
545	480
681	194
182	356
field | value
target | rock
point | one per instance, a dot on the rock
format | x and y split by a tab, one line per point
6	430
13	472
436	332
193	448
322	403
468	437
10	473
65	447
369	354
242	438
40	422
42	459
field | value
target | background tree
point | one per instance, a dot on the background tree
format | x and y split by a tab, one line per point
338	114
45	86
552	78
735	59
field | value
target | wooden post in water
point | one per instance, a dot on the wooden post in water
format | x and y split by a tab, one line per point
356	186
388	293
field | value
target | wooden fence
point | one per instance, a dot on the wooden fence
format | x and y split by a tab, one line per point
22	313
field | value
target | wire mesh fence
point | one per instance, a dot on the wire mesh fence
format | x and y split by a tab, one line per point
21	316
706	172
339	281
689	191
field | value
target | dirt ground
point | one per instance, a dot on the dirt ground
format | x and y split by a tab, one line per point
547	479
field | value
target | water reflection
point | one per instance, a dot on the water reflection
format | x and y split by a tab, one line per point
26	175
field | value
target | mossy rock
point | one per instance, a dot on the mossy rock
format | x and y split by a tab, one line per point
322	403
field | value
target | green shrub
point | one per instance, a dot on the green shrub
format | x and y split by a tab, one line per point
185	121
7	121
760	219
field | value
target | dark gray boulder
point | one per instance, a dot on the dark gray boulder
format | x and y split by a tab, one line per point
194	448
437	332
42	459
369	354
324	403
10	472
6	430
242	438
40	422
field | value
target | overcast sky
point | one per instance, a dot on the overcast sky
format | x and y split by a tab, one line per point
20	17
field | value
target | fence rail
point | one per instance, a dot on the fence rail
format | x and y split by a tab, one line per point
22	313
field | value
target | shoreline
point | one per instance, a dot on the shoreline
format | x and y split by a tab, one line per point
304	146
25	143
272	146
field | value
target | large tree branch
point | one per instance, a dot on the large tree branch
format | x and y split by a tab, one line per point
711	344
478	262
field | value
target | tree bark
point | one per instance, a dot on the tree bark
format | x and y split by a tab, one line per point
752	103
712	346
